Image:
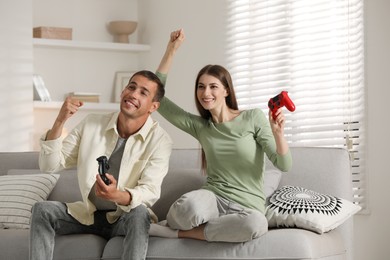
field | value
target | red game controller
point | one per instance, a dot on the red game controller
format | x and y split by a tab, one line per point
279	101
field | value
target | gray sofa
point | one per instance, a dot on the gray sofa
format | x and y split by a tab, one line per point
325	170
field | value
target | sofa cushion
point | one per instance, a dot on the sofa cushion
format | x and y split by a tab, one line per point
293	206
79	246
275	244
67	188
18	193
14	244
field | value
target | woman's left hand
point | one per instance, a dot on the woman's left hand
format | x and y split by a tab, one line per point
277	124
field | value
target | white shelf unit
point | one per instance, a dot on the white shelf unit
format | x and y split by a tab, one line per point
85	45
56	105
90	45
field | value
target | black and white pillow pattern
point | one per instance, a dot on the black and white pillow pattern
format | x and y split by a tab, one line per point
297	207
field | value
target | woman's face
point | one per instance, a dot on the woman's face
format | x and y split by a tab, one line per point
211	93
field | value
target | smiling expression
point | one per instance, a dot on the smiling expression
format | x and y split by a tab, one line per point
211	93
137	98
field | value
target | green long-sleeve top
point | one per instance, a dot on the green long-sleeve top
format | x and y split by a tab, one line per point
234	150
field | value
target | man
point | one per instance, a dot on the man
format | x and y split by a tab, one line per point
138	150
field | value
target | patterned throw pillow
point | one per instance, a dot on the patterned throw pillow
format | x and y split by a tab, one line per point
18	193
297	207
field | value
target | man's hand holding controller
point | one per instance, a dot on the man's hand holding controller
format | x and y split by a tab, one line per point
103	169
109	191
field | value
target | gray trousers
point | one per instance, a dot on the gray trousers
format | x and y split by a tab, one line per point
50	218
226	221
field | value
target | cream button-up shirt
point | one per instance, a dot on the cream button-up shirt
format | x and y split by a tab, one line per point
144	163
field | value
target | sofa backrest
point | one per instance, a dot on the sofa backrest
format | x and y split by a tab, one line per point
321	169
18	160
176	183
325	170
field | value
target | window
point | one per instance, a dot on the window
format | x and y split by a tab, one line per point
315	51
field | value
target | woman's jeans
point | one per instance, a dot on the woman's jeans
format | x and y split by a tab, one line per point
50	218
225	221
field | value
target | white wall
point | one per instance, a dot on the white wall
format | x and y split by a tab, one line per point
204	25
68	70
15	76
65	71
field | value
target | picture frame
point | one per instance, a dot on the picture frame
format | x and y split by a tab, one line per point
121	80
41	93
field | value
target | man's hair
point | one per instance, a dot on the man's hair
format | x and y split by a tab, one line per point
152	77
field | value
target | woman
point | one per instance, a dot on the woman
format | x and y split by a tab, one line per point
230	206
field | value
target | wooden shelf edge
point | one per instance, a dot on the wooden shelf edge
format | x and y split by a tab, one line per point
105	46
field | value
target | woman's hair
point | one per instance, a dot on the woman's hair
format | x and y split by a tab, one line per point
222	75
152	77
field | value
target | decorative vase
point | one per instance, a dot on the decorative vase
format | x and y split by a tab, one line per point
121	30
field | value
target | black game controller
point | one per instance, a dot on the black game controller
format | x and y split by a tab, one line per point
103	168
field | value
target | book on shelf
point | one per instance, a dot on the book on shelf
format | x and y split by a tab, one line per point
86	96
41	93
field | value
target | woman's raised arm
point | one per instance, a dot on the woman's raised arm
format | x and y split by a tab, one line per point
175	40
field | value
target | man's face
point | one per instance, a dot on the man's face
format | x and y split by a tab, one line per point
137	97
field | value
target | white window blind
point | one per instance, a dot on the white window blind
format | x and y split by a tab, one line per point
315	51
